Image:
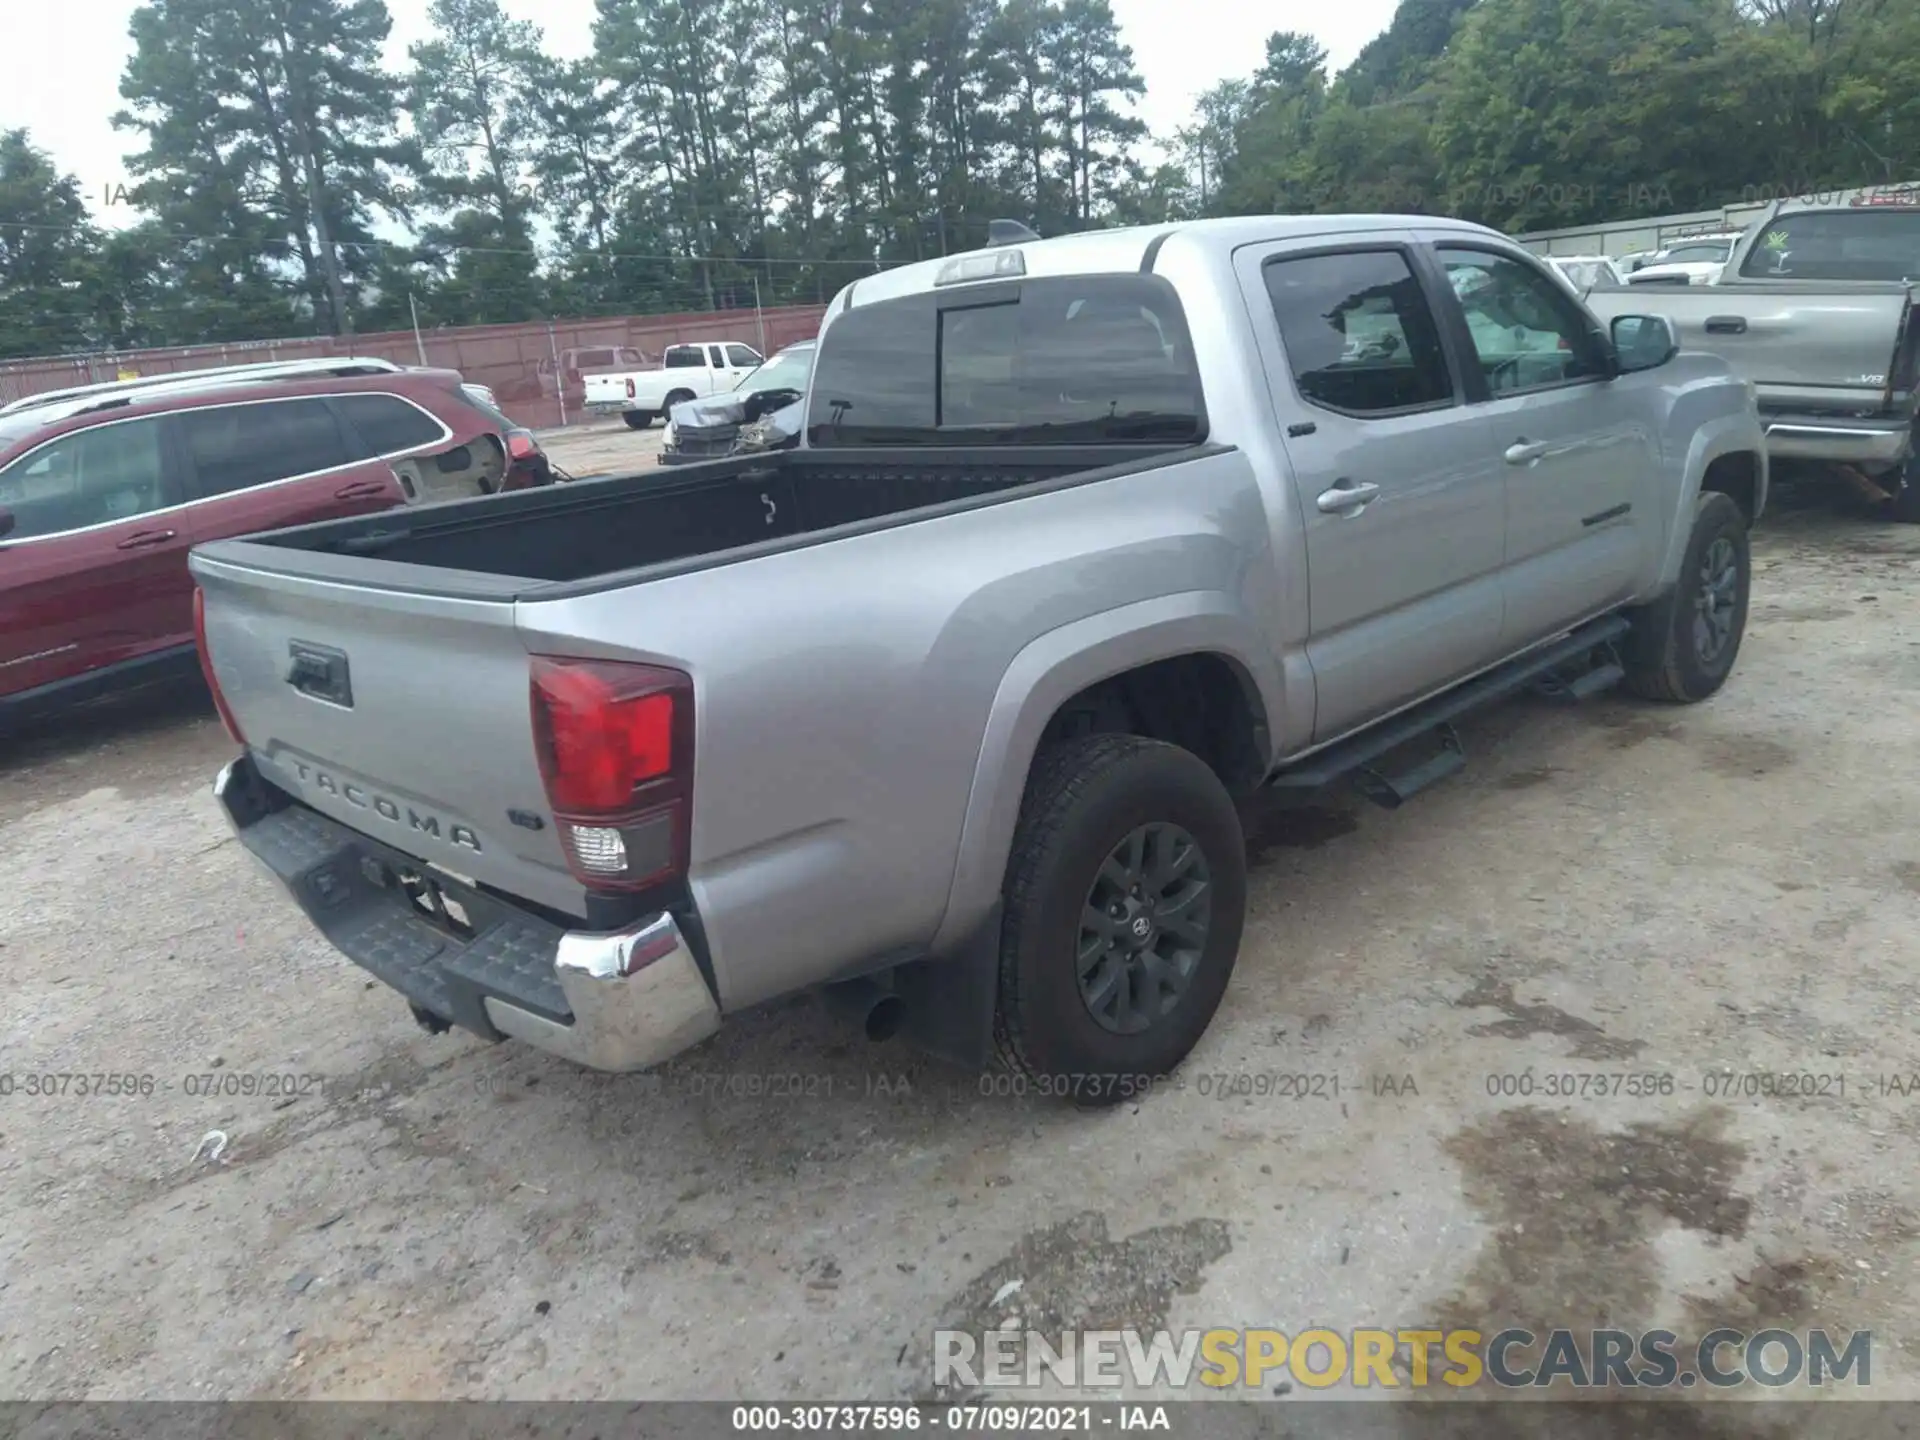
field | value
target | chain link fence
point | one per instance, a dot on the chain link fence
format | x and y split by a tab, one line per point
535	369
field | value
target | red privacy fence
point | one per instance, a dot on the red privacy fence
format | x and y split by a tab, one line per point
534	368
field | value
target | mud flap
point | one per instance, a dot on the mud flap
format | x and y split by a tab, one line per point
948	1001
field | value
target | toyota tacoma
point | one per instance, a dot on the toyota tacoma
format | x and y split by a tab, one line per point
945	712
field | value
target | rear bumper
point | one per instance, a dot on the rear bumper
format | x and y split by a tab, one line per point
1837	438
618	1001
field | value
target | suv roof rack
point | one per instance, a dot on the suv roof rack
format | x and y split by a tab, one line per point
127	392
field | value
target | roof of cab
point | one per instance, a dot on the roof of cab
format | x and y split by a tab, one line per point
1124	249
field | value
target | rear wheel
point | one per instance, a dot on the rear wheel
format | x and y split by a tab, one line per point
1124	900
1904	507
1683	647
638	419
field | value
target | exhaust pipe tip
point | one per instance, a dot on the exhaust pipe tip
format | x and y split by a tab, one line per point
884	1017
877	1011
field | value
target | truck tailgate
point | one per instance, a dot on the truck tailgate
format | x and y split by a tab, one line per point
405	716
605	389
1809	345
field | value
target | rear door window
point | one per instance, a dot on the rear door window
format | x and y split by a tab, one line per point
389	425
1069	360
684	357
1359	334
235	447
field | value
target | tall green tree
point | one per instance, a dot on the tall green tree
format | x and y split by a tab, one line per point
269	137
472	92
1095	80
1561	112
54	294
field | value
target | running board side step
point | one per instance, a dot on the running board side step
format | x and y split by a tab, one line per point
1386	786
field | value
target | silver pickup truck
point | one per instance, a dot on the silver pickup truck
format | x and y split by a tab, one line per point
946	711
1816	309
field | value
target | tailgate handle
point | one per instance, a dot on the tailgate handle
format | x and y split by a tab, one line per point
1726	325
319	671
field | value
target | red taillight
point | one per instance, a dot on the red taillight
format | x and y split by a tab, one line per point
615	744
206	667
521	445
630	389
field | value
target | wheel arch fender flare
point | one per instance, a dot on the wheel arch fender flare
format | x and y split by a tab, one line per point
1048	672
1728	435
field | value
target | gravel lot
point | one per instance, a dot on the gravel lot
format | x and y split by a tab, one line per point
603	447
1616	888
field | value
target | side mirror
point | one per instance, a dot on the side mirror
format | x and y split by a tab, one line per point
6	522
1643	342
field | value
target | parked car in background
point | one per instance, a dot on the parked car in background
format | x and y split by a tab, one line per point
1816	311
180	381
102	495
709	428
686	372
1583	272
1635	260
563	377
947	711
530	466
1697	260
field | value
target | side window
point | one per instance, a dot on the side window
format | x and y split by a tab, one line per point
91	477
1359	333
1527	332
683	357
741	355
716	358
234	447
387	424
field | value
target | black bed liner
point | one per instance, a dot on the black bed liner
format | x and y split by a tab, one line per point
596	534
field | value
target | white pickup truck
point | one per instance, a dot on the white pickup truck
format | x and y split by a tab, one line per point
686	372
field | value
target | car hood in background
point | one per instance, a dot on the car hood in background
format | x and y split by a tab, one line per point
729	407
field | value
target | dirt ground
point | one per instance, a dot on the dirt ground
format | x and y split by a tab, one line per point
1607	890
603	447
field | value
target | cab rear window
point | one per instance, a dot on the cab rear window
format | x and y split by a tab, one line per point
1094	359
1838	245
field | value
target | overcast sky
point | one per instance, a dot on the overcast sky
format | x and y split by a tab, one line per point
68	54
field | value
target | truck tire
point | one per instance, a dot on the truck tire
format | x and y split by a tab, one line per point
666	406
637	419
1124	900
1683	646
1904	507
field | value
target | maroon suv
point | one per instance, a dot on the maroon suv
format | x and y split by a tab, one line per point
102	495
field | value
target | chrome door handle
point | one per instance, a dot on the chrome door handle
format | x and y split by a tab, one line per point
1525	452
1346	498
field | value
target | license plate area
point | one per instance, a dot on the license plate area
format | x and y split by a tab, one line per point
432	900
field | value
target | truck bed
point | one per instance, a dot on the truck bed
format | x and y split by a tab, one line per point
606	530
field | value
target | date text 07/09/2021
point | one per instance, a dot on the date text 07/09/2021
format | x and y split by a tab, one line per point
961	1419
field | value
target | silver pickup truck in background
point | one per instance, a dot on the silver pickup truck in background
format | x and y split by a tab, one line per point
1816	309
947	711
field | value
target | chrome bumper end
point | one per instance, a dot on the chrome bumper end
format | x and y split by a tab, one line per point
1839	441
637	999
636	996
